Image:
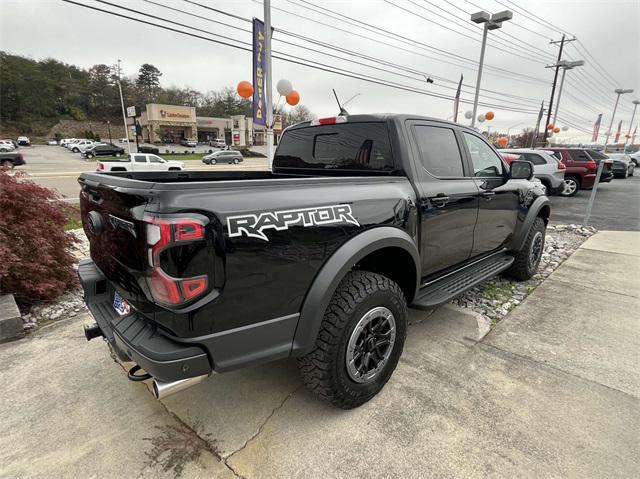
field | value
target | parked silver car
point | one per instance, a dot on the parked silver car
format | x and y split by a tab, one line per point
223	156
546	168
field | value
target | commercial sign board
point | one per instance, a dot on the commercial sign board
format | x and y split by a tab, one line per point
259	105
171	113
132	111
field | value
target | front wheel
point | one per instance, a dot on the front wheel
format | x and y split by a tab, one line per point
90	155
360	340
528	258
236	161
571	186
213	161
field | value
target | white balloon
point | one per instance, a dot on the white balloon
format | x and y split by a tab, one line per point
468	114
565	128
284	87
481	118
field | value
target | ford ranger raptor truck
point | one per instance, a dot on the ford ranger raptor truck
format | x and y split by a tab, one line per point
361	217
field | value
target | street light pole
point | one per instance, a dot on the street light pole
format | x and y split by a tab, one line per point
268	77
635	105
618	91
490	22
565	66
109	128
124	115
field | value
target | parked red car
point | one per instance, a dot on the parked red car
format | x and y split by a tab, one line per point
581	169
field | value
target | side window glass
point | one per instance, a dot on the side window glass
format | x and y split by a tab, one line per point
155	159
535	159
140	159
579	155
439	151
486	162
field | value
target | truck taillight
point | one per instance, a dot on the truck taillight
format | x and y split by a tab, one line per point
164	233
100	166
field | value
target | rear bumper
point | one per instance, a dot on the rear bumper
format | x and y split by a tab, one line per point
133	338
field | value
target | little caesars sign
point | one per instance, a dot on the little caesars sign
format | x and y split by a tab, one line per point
171	113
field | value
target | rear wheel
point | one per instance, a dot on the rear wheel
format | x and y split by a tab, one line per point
360	340
571	186
90	155
528	258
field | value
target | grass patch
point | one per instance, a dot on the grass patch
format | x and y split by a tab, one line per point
73	218
182	156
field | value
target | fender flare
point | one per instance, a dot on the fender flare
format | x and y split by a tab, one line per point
334	270
532	214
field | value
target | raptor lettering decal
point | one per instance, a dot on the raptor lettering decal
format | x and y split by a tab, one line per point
254	225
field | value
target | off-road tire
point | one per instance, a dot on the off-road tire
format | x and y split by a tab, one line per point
324	369
522	268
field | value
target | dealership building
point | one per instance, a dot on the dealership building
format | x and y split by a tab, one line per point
173	123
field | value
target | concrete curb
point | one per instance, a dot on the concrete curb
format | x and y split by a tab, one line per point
10	319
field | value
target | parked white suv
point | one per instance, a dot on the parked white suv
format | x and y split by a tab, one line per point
81	145
6	145
218	143
546	168
23	141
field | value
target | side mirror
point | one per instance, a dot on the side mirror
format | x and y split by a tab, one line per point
521	170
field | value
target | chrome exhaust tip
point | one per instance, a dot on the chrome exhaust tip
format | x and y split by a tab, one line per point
162	390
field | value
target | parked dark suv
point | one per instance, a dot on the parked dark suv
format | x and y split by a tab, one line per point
581	169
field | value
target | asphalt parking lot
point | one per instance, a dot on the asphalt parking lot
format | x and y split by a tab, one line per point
57	168
616	207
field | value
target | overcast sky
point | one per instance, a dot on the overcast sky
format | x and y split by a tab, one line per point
608	30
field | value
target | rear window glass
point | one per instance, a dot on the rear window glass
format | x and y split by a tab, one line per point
346	146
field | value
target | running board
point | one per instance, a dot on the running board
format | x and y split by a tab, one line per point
442	290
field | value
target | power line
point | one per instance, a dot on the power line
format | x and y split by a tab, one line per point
297	60
542	56
409	41
496	46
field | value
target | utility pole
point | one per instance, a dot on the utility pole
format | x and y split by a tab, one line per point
268	77
635	105
555	81
490	22
124	115
618	91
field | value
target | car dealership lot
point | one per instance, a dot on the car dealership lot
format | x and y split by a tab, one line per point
58	168
553	390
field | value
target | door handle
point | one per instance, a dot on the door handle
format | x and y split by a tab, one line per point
488	194
439	200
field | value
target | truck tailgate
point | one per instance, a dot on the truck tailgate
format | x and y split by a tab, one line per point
113	222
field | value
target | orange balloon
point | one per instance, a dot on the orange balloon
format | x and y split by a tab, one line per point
556	129
489	115
245	89
502	141
550	126
293	98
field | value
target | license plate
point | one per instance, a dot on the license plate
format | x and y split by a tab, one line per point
120	305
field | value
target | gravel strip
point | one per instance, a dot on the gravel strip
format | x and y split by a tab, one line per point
493	299
496	297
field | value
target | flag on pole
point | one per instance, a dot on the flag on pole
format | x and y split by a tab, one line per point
618	132
456	102
596	128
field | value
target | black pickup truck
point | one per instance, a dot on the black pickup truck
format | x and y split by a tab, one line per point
361	217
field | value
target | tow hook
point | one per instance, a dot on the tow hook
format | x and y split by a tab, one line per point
92	331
